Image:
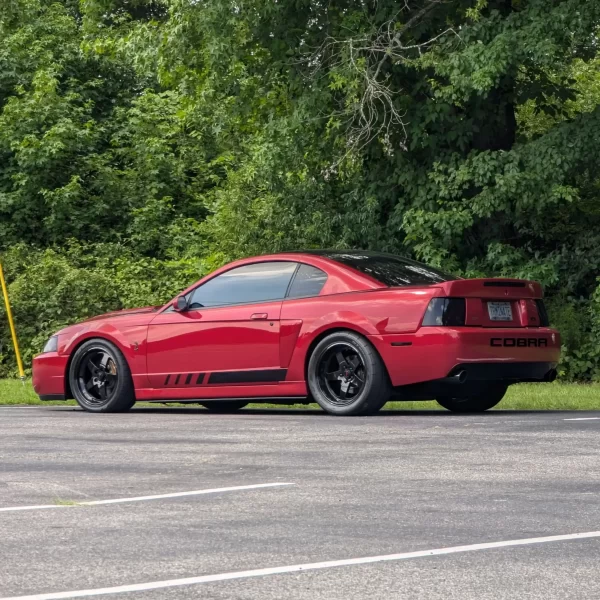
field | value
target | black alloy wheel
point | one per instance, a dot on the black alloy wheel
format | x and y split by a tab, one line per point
97	377
100	378
346	375
342	374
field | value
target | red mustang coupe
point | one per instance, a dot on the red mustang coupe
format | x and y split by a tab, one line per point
347	329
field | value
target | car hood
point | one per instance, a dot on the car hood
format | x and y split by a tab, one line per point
110	319
124	312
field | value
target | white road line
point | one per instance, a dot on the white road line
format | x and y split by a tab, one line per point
155	585
238	488
584	419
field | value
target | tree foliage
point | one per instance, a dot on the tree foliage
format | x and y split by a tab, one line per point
144	142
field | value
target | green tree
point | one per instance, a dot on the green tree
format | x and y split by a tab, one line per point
183	134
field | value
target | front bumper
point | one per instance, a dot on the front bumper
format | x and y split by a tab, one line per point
434	353
49	376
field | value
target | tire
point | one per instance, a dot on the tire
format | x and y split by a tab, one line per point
100	378
476	402
224	406
346	375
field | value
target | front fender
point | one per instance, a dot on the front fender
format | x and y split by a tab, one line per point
130	340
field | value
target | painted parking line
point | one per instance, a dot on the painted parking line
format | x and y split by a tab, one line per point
238	488
155	585
584	419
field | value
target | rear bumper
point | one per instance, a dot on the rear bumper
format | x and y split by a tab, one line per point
473	378
48	376
433	353
510	372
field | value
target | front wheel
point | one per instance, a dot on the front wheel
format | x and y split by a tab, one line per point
100	378
346	375
475	402
224	406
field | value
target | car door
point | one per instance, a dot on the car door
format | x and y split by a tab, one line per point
229	334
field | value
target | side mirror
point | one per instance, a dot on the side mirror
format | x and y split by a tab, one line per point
180	304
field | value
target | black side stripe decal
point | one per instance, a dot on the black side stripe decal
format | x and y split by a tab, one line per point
188	379
257	376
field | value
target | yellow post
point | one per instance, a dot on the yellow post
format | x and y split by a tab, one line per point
11	324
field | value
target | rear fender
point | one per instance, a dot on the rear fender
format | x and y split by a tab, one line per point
314	331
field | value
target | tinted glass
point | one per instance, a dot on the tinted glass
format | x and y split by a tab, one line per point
259	282
391	270
309	281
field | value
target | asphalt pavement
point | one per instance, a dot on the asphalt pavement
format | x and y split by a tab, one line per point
392	484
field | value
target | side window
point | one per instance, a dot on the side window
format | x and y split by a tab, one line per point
259	282
309	281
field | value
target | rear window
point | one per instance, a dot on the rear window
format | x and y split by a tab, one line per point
389	269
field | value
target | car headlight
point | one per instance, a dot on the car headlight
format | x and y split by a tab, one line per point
51	344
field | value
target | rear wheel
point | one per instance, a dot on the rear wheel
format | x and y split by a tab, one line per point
346	375
480	401
100	378
224	406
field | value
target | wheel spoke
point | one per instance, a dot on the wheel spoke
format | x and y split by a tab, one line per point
89	385
104	360
102	392
340	358
359	378
355	362
91	366
333	376
344	390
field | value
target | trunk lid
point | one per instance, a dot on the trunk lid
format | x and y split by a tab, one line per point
499	302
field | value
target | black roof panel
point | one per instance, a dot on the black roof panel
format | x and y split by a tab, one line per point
390	269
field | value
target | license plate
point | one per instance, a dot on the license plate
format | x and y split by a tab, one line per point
500	311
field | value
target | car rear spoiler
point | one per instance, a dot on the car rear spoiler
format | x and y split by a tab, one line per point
492	288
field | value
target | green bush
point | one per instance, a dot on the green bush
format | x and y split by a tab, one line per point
579	324
50	289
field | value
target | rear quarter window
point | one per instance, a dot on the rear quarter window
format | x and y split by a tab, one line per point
308	282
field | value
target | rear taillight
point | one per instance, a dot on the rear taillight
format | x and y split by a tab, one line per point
542	313
445	312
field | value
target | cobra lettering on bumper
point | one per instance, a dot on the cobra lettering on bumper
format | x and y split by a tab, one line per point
512	342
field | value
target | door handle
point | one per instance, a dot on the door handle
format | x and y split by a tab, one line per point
259	316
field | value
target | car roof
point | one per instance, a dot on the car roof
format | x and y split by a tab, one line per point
332	254
341	277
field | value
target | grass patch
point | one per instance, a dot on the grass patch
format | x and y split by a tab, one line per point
12	391
531	396
525	396
61	502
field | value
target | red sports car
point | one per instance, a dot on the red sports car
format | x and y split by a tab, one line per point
347	329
